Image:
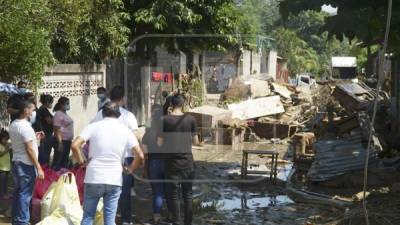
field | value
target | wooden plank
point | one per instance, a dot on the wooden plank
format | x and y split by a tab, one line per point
208	116
255	108
281	90
261	152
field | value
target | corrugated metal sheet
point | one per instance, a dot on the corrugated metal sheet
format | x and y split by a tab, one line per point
338	156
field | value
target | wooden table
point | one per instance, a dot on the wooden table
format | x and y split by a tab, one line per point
269	153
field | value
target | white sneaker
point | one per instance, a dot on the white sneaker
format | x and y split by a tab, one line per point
125	223
133	192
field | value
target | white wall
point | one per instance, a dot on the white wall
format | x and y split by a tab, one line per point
79	84
272	63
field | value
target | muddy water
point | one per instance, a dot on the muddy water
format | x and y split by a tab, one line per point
222	197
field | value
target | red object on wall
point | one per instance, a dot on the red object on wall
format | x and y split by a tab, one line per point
157	76
160	76
168	77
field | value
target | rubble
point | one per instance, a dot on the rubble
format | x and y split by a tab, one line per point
281	90
273	130
255	108
335	157
238	91
355	96
303	150
258	88
209	116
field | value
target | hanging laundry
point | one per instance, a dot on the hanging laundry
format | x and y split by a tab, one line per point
157	76
168	77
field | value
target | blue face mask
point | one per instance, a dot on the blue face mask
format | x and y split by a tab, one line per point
67	107
101	96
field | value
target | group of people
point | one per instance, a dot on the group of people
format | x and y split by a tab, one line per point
114	154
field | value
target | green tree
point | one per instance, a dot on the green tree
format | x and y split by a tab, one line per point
307	25
183	17
364	20
301	58
89	31
25	33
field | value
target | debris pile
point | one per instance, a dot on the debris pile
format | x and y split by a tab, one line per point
261	109
328	126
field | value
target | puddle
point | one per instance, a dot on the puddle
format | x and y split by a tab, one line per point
283	172
248	202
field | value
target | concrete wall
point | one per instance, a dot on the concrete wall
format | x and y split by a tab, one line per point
79	84
272	63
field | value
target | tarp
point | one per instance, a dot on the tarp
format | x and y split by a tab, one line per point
8	89
11	89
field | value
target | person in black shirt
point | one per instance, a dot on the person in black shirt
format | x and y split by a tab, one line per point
45	119
177	134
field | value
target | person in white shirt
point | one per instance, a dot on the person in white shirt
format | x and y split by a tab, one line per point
109	141
129	120
102	96
25	163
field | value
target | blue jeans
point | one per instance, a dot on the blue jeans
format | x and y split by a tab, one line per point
45	148
157	172
125	202
61	159
24	177
92	195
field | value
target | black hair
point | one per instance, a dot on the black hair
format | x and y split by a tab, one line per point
102	89
30	97
61	101
177	101
110	110
4	134
46	99
117	93
22	105
21	83
167	104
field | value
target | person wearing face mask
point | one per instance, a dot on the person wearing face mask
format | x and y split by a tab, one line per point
25	164
129	120
36	124
102	95
63	126
45	118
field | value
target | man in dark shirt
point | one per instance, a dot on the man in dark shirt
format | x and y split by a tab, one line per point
177	134
45	120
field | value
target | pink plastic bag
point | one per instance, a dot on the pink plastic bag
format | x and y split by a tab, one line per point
36	208
80	178
41	186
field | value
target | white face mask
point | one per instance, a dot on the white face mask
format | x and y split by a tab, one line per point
32	119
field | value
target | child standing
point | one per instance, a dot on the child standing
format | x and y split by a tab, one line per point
5	163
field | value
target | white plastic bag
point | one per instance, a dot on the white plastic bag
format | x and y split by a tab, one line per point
64	198
56	218
46	201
